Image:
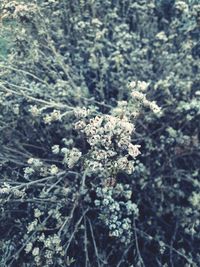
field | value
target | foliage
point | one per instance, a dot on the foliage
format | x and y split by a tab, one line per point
78	91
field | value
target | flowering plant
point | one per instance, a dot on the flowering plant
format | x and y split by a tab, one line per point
93	171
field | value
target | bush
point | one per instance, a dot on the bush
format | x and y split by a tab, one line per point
79	85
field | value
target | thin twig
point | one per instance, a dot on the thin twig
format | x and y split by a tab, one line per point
137	246
50	104
95	245
86	244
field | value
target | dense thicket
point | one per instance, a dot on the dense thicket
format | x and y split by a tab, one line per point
75	77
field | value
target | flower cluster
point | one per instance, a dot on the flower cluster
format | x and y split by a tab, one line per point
53	116
34	110
71	156
18	10
51	246
8	190
36	166
137	93
110	143
117	210
43	246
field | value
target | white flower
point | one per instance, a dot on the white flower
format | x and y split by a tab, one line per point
106	141
111	153
47	119
37	213
99	154
90	130
115	233
30	161
6	189
41	237
154	107
112	226
48	254
81	112
27	172
181	6
143	85
65	151
133	150
139	96
122	163
52	1
71	156
28	247
53	169
79	125
34	162
161	36
55	115
32	226
34	111
97	121
123	143
56	240
55	149
132	85
126	126
195	199
37	260
105	202
130	167
94	140
96	22
128	194
81	24
95	166
132	208
126	226
47	243
122	103
35	251
97	202
100	34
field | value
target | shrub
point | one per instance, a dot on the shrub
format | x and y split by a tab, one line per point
79	82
